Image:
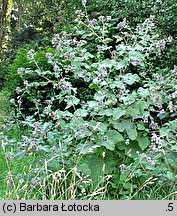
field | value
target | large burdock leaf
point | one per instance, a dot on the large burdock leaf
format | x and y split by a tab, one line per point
92	166
106	112
110	139
143	92
132	133
96	167
81	112
130	78
117	113
122	64
143	141
127	125
136	58
109	162
131	149
107	63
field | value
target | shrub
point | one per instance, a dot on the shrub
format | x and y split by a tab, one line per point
122	134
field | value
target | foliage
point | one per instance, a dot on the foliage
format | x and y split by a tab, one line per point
165	18
30	22
122	134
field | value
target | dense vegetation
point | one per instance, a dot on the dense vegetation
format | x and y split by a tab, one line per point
88	99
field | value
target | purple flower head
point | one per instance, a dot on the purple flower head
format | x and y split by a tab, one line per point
18	90
101	18
171	106
2	127
154	125
170	38
20	71
74	40
75	28
81	126
103	68
49	102
49	56
121	93
66	87
54	40
154	136
84	2
54	149
92	22
150	161
21	181
25	82
174	71
145	119
100	104
100	47
123	168
127	141
30	54
135	186
155	149
108	18
161	44
78	116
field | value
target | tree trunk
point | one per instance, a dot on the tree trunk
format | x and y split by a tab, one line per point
5	10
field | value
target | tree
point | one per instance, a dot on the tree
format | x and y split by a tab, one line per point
5	10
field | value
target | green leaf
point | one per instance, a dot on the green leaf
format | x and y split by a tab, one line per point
142	106
88	55
136	57
130	78
102	127
86	148
114	136
106	112
61	114
132	133
143	142
108	63
109	162
117	113
162	115
127	186
131	149
123	125
93	86
92	165
92	104
98	96
71	101
143	92
44	148
174	148
81	112
137	109
110	139
133	111
140	126
84	167
121	64
170	175
117	84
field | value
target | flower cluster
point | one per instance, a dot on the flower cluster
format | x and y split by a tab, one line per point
123	168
